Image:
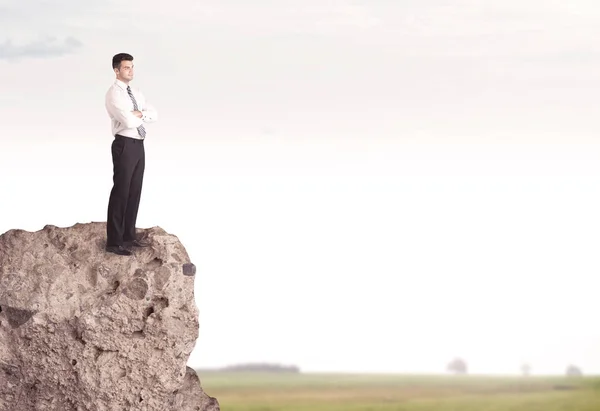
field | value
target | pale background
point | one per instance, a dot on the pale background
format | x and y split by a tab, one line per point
364	186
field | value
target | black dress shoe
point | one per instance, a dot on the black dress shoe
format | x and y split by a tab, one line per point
117	249
136	243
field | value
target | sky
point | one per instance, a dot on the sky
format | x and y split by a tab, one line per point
363	186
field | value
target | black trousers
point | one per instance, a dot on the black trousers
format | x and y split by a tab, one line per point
128	174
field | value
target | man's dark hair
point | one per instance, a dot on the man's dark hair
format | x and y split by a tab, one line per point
118	58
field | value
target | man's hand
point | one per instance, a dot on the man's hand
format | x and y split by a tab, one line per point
137	113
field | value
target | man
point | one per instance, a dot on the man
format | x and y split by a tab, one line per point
128	111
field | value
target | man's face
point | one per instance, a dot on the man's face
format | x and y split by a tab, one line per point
125	72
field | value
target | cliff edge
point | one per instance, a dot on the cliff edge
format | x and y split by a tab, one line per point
86	330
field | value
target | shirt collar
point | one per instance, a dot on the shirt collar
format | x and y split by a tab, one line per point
121	84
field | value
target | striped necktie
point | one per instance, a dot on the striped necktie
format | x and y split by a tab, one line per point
141	128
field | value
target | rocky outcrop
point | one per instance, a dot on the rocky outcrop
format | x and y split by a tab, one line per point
86	330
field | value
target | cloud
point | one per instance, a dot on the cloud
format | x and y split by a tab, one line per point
44	48
44	29
331	17
344	14
35	18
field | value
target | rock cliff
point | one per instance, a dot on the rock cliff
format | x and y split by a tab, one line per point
86	330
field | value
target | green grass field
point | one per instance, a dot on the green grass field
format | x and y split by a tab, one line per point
342	392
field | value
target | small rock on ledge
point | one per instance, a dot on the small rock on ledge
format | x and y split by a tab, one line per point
86	330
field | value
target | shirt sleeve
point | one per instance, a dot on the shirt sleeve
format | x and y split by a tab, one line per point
121	110
149	113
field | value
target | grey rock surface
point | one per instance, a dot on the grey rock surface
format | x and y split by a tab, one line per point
86	330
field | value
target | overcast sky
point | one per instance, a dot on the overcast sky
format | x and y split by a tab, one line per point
363	186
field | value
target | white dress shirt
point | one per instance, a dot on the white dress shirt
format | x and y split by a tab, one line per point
119	107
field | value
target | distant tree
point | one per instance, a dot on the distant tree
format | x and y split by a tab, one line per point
457	366
525	369
573	371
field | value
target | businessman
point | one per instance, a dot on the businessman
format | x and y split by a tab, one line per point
128	112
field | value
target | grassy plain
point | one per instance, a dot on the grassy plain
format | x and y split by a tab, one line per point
347	392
